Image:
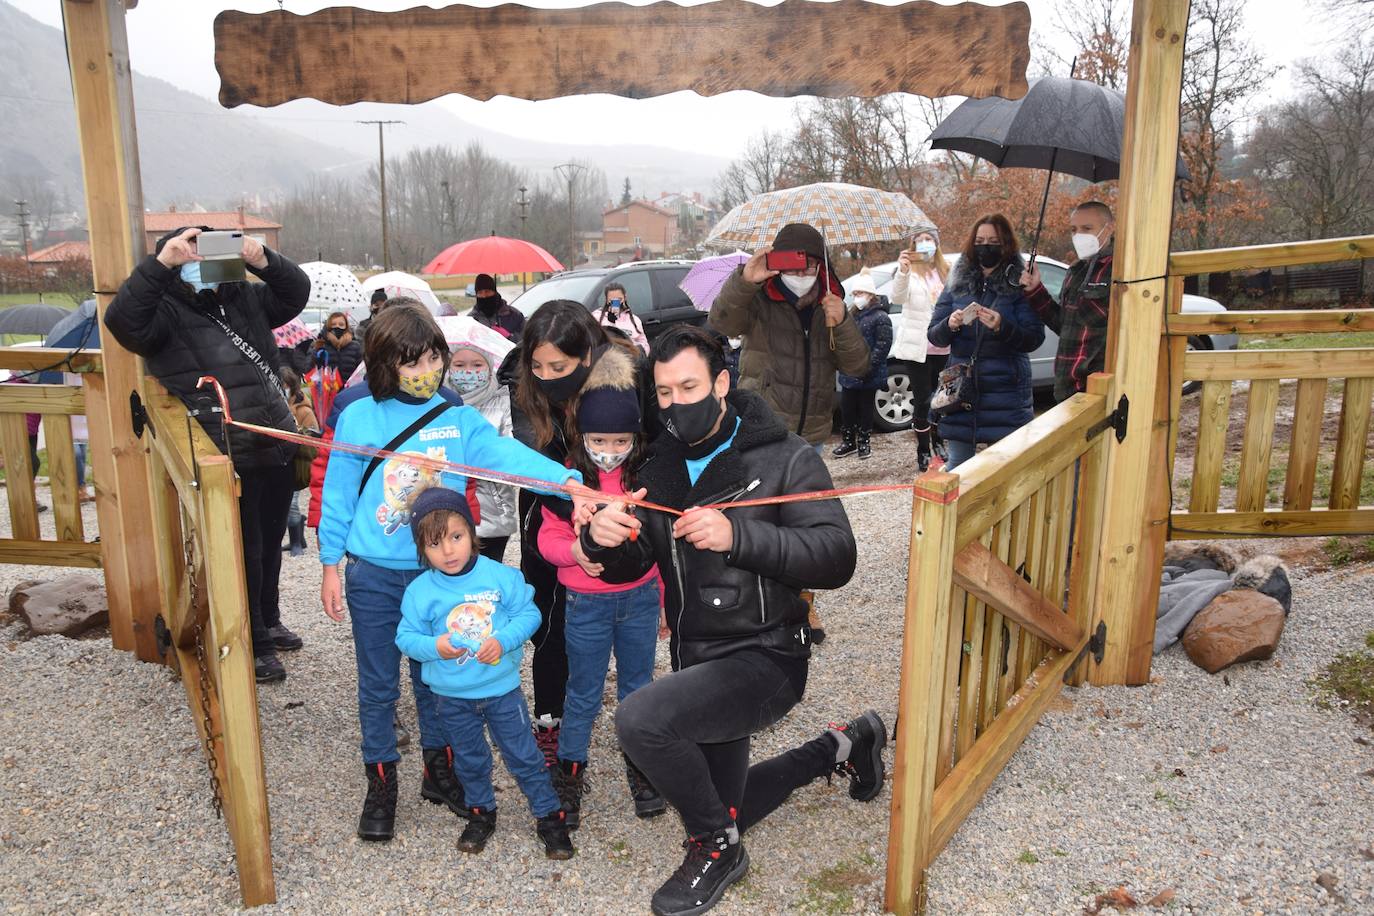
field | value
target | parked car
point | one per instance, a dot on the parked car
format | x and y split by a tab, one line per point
893	410
651	287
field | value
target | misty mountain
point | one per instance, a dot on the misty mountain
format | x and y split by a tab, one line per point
192	150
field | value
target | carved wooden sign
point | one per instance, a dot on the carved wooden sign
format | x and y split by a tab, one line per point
844	48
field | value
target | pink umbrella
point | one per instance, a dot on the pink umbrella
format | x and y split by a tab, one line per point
493	254
291	333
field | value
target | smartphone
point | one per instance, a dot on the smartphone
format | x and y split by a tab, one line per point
222	254
785	260
971	312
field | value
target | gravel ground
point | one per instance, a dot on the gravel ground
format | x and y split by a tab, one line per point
104	795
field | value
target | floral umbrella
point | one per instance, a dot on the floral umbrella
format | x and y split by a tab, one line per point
291	333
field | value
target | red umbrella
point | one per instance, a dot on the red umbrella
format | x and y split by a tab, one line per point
492	254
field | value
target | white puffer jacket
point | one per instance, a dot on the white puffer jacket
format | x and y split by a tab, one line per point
909	328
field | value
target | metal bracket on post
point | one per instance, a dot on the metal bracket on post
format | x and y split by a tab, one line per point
164	636
1097	645
1116	420
139	414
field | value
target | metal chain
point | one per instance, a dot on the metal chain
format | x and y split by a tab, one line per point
207	733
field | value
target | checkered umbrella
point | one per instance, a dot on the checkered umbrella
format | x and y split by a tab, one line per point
845	213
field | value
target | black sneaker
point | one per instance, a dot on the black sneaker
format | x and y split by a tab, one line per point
864	765
553	830
481	825
284	639
569	779
378	820
546	737
712	864
439	784
268	669
648	803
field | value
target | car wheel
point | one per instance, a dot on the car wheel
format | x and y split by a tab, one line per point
892	406
1196	343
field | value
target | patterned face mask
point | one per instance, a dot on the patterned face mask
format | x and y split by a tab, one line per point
607	461
423	386
466	381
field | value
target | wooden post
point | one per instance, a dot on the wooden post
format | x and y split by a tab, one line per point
919	700
1092	471
1129	563
102	88
229	651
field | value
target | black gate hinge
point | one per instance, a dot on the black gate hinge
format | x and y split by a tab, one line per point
163	635
139	415
1116	420
1097	645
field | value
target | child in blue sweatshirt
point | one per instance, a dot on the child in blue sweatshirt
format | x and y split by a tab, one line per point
366	515
466	620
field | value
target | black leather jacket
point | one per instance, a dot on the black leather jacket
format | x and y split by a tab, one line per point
721	603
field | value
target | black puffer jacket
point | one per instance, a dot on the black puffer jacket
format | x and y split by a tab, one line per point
161	318
721	603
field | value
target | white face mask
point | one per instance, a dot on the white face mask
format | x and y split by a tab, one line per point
799	286
862	300
607	461
925	249
1085	245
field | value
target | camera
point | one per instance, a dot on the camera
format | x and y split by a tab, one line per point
222	256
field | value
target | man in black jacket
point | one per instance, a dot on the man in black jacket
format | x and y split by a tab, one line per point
739	637
186	328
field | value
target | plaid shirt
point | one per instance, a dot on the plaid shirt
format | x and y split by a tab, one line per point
1080	320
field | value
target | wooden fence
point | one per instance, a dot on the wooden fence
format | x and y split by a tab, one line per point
202	626
998	611
1241	495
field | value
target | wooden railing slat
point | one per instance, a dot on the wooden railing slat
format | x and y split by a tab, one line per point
993	632
980	572
66	498
1305	444
1325	321
44	399
33	552
1258	445
1351	444
1016	559
1191	526
23	359
1213	420
19	471
1240	365
1283	254
971	673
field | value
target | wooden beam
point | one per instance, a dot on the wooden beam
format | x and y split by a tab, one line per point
1128	578
1253	257
1192	526
44	399
102	88
1241	365
28	358
32	552
1276	322
344	55
978	571
924	638
1087	541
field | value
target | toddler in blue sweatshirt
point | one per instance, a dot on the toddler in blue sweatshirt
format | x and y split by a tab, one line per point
466	620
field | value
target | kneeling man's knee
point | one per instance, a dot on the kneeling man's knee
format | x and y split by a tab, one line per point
634	721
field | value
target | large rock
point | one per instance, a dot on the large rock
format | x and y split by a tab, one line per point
68	606
1238	626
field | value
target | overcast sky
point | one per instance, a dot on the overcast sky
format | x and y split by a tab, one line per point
173	40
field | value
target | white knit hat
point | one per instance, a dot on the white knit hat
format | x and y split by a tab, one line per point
863	283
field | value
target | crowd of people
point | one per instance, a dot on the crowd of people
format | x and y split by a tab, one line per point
601	421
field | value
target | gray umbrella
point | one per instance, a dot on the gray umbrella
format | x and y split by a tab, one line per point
1064	125
31	318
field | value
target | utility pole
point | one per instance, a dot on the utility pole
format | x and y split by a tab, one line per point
524	203
448	213
381	174
570	172
21	209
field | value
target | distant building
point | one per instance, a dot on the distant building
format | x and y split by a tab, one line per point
62	252
695	216
639	228
593	243
156	225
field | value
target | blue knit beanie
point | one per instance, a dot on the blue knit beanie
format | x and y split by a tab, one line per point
609	410
435	498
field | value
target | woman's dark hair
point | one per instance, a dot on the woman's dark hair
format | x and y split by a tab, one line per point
569	327
676	339
400	334
431	529
348	325
292	383
1011	250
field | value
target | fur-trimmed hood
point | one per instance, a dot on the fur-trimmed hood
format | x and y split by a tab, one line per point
963	281
613	367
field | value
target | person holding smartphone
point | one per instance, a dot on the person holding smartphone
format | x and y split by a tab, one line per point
990	328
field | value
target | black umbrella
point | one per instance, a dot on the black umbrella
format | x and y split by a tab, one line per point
1061	124
79	329
31	318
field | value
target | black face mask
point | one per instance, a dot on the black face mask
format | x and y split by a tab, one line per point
689	423
338	332
558	390
489	305
988	255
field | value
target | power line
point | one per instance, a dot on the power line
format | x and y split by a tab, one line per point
381	172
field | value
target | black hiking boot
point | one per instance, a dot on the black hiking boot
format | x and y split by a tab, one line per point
865	449
546	737
481	825
268	669
553	831
296	535
847	445
284	639
378	821
439	783
923	453
569	778
711	865
863	763
648	803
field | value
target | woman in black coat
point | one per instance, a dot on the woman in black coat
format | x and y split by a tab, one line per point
336	347
186	328
985	320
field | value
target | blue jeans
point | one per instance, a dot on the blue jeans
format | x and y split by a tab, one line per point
374	607
959	452
594	625
507	718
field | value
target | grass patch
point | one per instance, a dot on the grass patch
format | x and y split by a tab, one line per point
1310	341
1167	800
1345	551
832	891
1348	682
1028	858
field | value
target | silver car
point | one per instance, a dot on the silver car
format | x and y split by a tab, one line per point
893	410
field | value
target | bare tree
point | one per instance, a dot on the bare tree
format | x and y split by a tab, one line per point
757	171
